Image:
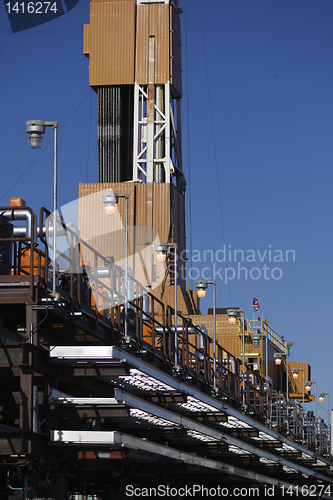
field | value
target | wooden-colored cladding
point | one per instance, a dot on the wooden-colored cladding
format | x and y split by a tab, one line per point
162	207
160	21
230	338
296	384
152	21
105	234
116	41
151	205
109	41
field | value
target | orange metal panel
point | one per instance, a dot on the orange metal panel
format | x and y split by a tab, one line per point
111	42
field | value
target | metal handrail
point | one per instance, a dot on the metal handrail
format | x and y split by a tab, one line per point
193	361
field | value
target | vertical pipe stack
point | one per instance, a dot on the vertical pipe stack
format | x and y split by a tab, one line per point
115	133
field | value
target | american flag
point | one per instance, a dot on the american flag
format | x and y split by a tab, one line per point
255	304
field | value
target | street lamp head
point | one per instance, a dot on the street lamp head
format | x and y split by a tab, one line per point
307	386
161	251
232	316
201	287
295	373
278	356
110	201
35	129
321	396
256	337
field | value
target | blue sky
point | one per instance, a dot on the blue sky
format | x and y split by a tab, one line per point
258	95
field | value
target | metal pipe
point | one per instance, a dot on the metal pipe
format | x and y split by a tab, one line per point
287	377
35	409
266	355
54	211
126	265
20	214
21	231
214	332
176	303
243	338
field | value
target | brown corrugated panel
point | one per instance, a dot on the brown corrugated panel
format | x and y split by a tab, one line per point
178	202
175	52
152	20
111	40
296	385
104	233
141	48
162	211
86	40
182	300
153	208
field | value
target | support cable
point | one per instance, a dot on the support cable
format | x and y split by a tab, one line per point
43	150
188	138
213	138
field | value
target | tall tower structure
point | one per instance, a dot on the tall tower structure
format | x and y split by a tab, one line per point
134	51
135	68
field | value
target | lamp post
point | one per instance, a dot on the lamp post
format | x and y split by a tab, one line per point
308	385
321	397
35	129
233	314
110	202
278	358
295	373
201	286
161	251
256	337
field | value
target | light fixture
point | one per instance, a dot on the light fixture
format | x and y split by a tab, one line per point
256	337
307	386
295	373
110	202
202	287
232	316
278	356
161	251
35	129
321	397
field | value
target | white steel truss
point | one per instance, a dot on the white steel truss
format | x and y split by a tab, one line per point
156	137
